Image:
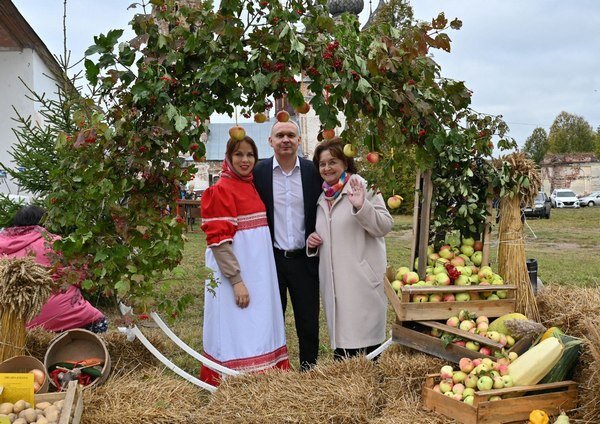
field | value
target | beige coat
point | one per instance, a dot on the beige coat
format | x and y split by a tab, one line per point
352	263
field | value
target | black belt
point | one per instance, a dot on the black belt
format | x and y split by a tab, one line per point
289	254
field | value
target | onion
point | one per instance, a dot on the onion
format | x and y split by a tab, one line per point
39	376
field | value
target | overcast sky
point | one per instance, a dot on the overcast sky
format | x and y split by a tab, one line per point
527	60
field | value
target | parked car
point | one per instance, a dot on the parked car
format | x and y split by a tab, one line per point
541	207
592	199
564	198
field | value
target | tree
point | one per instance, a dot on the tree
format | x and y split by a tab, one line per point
570	133
536	145
598	142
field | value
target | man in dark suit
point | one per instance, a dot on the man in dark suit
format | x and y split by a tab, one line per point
289	186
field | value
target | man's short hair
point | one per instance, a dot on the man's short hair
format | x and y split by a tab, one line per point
292	121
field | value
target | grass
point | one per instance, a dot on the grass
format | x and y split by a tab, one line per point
566	247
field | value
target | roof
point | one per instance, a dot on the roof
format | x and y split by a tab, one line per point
569	158
17	34
218	135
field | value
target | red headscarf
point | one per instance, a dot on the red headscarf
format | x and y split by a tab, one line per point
228	172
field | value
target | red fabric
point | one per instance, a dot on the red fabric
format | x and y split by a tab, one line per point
63	310
258	364
224	204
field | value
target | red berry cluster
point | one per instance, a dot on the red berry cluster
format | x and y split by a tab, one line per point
453	273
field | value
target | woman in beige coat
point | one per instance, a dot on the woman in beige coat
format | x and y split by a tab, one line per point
348	237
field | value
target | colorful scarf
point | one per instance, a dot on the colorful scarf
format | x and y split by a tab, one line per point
228	172
333	191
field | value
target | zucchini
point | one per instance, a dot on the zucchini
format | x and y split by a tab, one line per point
567	362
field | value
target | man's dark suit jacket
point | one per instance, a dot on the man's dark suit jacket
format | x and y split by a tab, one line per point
311	187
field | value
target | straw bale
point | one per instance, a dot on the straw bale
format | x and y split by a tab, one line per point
567	307
37	342
403	372
401	411
588	369
333	392
148	395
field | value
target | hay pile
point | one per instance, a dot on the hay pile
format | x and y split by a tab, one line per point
146	395
334	392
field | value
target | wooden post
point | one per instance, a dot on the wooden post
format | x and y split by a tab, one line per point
487	234
415	241
424	223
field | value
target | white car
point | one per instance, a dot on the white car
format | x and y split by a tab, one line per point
592	199
564	198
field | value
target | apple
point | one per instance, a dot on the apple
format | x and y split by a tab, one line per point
432	258
410	277
468	391
482	318
449	394
460	343
467	250
373	157
442	279
493	296
466	325
446	253
475	296
471	381
502	340
503	369
396	285
477	361
482	327
502	294
350	151
466	365
446	372
328	134
440	269
436	388
508	380
260	118
468	241
510	341
495	398
462	280
457	261
462	297
237	133
304	108
512	356
488	362
467	271
498	383
448	297
478	245
458	389
446	386
401	271
485	383
430	278
282	116
482	368
469	399
453	322
435	332
477	258
435	297
485	350
472	346
394	201
485	273
419	298
458	377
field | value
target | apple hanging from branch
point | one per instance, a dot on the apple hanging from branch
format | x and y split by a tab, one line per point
282	116
237	133
373	157
395	201
349	150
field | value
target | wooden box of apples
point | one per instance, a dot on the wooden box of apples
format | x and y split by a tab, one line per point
482	391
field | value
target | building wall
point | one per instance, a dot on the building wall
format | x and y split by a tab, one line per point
582	178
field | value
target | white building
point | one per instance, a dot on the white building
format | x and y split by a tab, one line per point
23	56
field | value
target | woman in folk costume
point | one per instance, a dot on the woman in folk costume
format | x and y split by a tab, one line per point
349	239
243	324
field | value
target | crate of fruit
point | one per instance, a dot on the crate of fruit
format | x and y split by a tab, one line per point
500	406
59	407
440	296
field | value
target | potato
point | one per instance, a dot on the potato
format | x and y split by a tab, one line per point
29	414
42	420
12	417
51	414
20	421
19	406
6	408
42	405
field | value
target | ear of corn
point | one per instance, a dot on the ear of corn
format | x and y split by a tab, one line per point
529	368
567	361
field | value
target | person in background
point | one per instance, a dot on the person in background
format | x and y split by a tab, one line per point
349	239
243	326
66	309
290	186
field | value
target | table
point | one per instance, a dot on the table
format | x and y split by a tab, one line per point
189	210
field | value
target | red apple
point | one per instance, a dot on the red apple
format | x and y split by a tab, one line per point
395	201
373	157
282	116
328	134
237	133
260	118
478	245
304	108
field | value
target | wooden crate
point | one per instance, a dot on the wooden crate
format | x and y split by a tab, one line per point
426	311
551	397
73	406
408	334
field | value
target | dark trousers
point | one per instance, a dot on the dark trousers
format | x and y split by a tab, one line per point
300	279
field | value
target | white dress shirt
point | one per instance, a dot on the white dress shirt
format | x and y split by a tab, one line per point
288	208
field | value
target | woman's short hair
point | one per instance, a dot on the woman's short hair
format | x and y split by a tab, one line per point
336	149
28	215
233	144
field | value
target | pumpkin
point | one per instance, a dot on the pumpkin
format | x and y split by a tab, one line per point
537	416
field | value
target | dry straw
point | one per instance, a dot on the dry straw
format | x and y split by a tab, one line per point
24	288
523	185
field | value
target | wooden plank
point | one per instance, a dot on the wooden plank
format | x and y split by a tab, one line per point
65	413
443	310
444	405
457	289
462	333
392	296
424	223
415	226
78	405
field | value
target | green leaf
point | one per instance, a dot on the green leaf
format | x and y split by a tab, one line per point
91	71
261	81
100	256
363	86
181	123
122	287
